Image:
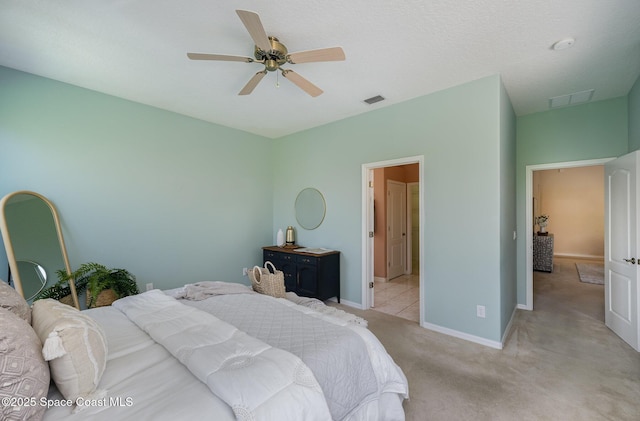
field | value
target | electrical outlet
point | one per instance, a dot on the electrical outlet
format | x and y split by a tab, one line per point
480	311
245	271
149	286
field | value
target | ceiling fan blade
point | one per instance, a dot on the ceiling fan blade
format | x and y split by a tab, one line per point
221	57
250	86
302	83
251	21
322	54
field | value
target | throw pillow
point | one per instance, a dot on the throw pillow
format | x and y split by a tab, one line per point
75	346
14	302
24	374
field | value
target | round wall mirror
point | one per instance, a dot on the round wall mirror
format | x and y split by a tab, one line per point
310	208
33	277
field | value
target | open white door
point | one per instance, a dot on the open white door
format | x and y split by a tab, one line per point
621	248
370	224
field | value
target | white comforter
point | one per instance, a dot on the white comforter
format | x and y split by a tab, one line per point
257	381
351	365
145	381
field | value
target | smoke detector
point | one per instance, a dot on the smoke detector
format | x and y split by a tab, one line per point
563	44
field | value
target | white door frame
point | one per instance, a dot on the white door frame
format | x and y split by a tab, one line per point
367	225
409	266
528	220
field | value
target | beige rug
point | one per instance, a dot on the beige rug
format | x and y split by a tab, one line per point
591	273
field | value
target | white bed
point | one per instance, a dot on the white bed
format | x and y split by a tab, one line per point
163	364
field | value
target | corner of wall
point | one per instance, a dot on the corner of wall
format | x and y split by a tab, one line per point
634	116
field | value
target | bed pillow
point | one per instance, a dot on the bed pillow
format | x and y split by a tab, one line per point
14	302
24	374
75	346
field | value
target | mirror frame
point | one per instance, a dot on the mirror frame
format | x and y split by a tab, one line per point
6	236
324	208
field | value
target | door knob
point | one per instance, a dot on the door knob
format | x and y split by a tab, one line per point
632	260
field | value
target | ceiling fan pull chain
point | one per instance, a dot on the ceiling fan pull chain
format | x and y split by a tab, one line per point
277	80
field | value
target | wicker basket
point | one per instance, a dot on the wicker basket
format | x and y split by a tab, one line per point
68	300
105	298
266	282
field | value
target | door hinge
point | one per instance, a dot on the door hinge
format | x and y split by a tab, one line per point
370	284
370	183
370	234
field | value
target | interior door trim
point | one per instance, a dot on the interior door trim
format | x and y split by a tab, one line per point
528	220
367	242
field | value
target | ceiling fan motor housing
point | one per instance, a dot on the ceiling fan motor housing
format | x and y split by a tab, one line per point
273	58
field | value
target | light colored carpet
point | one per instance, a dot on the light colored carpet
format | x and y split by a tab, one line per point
560	362
591	273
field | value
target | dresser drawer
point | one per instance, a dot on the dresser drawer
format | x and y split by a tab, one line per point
271	255
307	260
276	256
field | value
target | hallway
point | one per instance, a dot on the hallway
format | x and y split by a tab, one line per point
399	297
562	292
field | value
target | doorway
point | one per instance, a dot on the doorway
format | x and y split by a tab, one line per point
392	268
529	213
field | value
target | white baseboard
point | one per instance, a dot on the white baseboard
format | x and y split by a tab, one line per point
347	303
380	279
452	332
507	330
462	335
523	307
579	256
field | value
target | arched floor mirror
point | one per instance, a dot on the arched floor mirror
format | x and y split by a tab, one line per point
34	243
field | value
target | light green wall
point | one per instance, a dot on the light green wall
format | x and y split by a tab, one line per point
176	200
458	133
171	198
634	117
590	131
508	287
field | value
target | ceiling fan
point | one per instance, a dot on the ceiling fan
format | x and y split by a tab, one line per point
273	54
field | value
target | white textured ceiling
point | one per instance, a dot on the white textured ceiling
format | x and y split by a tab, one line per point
400	49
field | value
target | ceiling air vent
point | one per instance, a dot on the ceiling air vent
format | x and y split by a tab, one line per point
374	99
571	99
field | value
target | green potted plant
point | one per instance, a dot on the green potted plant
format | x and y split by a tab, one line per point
103	285
61	291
